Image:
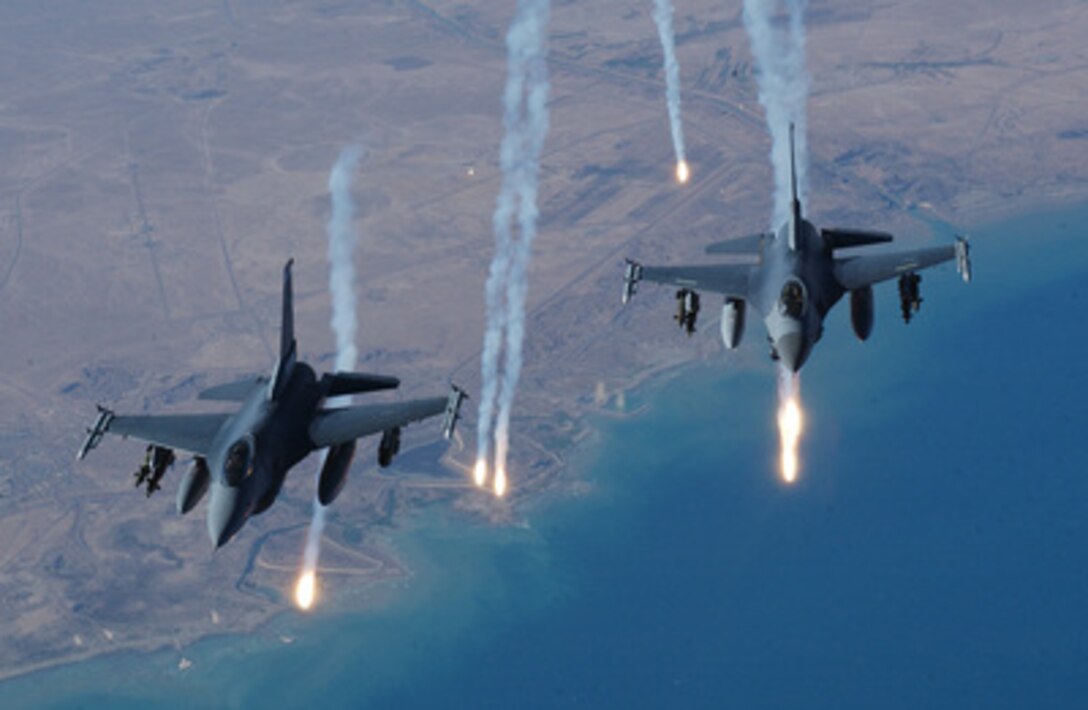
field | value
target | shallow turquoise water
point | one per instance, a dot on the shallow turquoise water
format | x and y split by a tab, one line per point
932	554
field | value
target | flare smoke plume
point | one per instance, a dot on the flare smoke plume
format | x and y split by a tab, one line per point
663	11
525	123
778	46
341	253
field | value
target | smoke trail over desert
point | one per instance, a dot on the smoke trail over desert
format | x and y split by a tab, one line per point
341	254
525	124
663	11
778	45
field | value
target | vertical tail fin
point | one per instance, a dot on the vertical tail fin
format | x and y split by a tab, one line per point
795	203
287	322
286	362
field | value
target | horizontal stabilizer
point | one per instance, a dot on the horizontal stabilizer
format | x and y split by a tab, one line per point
846	238
750	244
337	384
233	391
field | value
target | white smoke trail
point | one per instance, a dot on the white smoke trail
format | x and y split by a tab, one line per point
525	122
498	274
783	90
535	128
341	255
496	311
663	11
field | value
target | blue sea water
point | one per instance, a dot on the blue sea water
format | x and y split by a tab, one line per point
932	553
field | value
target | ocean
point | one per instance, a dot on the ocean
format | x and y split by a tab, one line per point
931	553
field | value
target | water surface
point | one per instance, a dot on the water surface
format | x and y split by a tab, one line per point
931	555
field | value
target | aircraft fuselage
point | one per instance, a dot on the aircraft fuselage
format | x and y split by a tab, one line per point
793	290
275	434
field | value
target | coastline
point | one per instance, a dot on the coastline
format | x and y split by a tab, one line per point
378	594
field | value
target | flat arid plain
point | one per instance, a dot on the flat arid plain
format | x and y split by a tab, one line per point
160	162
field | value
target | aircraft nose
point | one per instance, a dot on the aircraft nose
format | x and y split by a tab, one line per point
791	350
224	514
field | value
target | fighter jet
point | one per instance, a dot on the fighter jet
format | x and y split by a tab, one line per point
799	274
243	457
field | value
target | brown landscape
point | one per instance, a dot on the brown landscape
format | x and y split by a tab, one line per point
161	162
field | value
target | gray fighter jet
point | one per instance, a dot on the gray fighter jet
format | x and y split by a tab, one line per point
244	456
799	274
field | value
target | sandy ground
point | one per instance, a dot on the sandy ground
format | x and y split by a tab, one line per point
160	165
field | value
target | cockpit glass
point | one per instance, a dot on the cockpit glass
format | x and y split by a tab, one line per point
792	301
237	465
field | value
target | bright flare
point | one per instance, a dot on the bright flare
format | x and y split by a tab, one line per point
790	425
480	472
306	590
683	172
500	481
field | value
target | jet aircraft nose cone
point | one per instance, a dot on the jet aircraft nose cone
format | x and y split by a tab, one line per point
225	516
791	350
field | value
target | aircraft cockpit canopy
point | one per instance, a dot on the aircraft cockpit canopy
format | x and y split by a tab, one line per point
792	301
239	462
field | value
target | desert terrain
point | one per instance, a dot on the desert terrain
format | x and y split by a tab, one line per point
161	162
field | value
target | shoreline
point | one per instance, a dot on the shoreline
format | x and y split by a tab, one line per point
554	486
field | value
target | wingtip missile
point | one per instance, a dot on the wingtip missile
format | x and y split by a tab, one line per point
95	433
963	258
453	410
631	276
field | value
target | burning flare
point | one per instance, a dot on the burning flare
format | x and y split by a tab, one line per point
479	474
306	590
683	172
791	423
500	482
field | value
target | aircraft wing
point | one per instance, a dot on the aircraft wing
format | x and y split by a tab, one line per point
727	279
337	426
859	271
188	432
